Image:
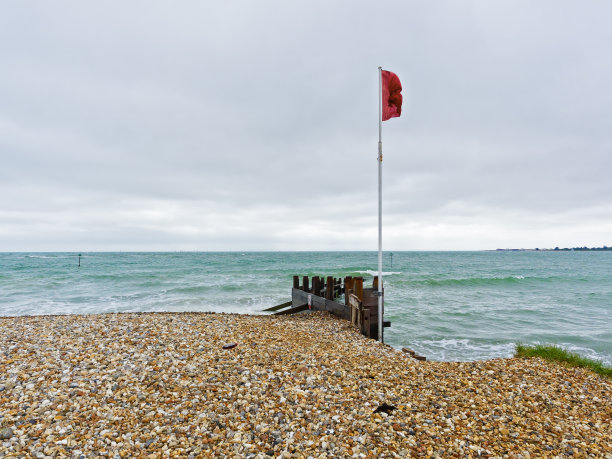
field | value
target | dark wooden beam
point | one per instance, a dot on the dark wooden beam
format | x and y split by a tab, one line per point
358	287
293	310
329	288
280	306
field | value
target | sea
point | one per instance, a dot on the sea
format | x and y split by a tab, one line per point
447	306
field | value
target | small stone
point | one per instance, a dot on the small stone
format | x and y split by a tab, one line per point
6	433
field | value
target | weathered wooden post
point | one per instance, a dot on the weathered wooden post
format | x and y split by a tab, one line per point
366	325
296	281
305	283
356	310
329	288
375	282
358	287
348	287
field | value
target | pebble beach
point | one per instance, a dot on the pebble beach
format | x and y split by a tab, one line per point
228	385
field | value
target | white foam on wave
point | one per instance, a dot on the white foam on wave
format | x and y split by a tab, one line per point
50	256
458	349
375	273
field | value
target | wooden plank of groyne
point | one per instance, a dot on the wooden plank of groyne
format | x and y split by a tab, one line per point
348	286
370	302
316	285
366	330
321	304
279	306
329	288
337	309
358	287
293	310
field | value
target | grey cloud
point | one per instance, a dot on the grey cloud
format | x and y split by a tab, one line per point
253	125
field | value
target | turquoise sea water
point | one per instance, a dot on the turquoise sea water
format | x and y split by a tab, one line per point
444	305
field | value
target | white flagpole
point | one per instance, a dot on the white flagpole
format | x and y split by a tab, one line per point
380	157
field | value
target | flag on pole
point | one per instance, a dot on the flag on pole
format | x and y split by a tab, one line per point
391	95
389	106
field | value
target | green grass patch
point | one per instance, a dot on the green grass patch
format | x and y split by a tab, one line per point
557	354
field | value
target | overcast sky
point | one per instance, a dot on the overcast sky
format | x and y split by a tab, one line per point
145	125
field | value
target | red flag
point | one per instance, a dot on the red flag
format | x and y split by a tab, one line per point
391	95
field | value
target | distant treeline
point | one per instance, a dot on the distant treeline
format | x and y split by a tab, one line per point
564	249
605	247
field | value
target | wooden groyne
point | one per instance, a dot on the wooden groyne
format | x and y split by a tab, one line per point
346	298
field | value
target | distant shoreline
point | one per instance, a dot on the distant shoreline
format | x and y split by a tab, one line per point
605	248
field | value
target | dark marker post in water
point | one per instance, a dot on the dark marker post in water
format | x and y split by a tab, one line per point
79	260
392	259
